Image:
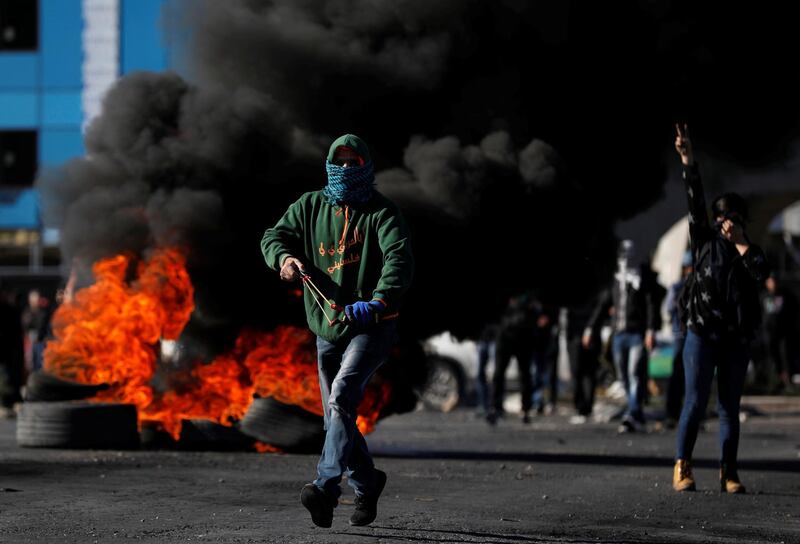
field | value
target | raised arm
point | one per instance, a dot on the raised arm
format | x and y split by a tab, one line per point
699	228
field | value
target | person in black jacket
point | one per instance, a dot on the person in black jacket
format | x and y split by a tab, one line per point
630	304
584	359
516	337
12	358
720	309
780	328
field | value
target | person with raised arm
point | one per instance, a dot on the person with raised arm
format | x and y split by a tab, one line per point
720	309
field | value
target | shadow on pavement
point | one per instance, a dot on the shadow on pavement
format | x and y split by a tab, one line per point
775	465
405	534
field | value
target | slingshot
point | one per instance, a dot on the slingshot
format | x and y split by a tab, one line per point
319	297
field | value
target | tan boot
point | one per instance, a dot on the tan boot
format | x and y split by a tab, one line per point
729	480
682	479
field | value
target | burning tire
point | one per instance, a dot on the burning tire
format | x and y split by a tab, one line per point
287	427
205	435
43	386
74	424
445	386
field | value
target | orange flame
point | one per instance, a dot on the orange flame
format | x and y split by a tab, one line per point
109	333
260	447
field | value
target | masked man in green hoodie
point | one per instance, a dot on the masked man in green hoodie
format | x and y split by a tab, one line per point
350	246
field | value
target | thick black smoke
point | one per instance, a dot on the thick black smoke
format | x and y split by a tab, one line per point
169	164
514	134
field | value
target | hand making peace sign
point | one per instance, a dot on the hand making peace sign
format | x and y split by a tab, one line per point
683	145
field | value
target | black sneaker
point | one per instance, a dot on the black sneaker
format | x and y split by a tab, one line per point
493	416
367	505
319	504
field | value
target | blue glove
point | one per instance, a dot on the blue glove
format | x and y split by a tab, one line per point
362	312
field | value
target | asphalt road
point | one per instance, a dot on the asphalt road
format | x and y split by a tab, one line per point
452	478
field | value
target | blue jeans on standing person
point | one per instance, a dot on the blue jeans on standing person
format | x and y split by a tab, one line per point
38	355
542	376
627	348
700	358
485	352
677	383
345	368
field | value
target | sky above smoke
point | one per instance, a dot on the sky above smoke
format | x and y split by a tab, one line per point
513	134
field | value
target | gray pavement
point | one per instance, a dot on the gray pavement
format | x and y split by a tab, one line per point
452	478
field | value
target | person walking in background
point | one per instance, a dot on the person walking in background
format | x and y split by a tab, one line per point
545	353
720	308
35	318
486	351
780	326
350	246
12	357
515	338
630	304
584	358
676	385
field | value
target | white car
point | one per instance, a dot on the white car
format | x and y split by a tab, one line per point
453	372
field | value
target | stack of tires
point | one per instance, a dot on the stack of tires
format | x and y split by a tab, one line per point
54	415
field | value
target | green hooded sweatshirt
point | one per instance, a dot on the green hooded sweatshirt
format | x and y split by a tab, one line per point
353	142
350	254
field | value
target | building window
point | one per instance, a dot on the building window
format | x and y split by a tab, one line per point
17	158
19	25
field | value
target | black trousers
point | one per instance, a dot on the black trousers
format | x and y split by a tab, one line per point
584	363
522	350
779	352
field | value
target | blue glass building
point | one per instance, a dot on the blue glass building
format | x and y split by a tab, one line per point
57	58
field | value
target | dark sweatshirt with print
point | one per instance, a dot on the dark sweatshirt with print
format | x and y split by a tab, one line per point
351	254
720	299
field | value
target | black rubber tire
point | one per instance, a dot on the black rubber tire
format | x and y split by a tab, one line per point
43	386
205	435
154	437
284	426
76	424
444	389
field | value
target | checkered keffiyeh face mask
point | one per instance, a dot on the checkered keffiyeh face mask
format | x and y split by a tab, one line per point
349	185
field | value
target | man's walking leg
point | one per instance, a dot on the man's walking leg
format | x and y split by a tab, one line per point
345	449
321	497
366	480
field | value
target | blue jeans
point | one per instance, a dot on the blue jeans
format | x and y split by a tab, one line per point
345	368
677	383
38	355
543	371
700	358
485	352
627	348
